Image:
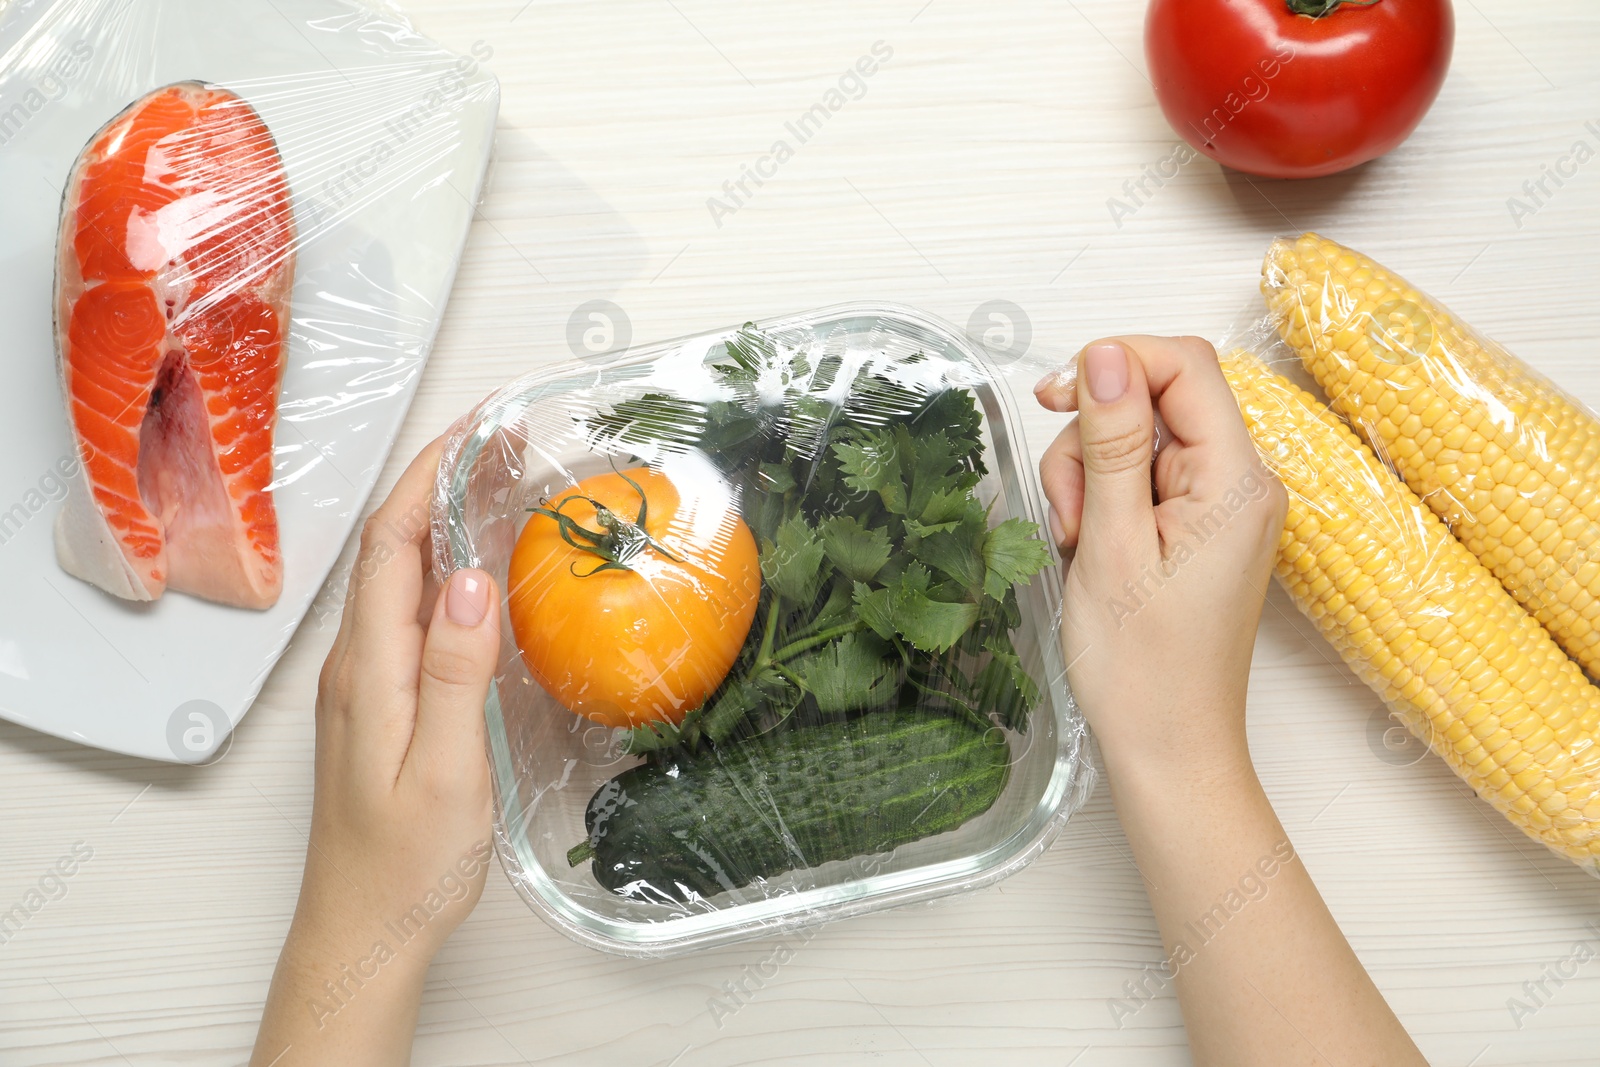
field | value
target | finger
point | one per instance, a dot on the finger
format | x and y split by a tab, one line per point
386	586
1175	471
430	583
430	593
1117	430
341	637
385	645
329	680
373	547
1061	474
459	657
1058	389
1186	381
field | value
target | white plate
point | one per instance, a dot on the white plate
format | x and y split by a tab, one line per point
385	137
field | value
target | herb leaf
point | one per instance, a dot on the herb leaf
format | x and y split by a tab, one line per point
1013	554
954	555
953	413
857	551
945	506
736	700
938	467
873	607
873	466
658	736
792	564
928	624
847	675
1002	686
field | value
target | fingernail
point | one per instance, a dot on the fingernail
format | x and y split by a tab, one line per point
1058	529
466	600
1047	381
1105	368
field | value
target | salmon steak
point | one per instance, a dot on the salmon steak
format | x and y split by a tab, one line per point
173	276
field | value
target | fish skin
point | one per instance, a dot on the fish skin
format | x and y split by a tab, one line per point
174	270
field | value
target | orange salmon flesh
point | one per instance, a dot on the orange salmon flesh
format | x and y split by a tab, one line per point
173	276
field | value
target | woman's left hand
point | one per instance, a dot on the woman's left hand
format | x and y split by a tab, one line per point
400	823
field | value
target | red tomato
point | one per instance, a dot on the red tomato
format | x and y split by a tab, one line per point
1260	88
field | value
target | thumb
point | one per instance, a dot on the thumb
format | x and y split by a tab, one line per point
459	657
1117	427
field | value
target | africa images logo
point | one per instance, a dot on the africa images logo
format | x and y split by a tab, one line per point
47	87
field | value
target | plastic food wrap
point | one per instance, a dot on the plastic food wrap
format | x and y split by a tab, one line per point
780	633
231	232
1461	634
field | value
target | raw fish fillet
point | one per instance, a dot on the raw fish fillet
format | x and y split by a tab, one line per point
173	274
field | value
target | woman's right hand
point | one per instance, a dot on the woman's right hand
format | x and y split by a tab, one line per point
1162	600
1162	595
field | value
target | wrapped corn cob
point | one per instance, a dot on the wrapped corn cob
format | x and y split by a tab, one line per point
1424	624
1501	454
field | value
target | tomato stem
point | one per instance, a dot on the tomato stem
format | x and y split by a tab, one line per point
617	541
1318	8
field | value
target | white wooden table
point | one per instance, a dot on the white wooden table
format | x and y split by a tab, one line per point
977	166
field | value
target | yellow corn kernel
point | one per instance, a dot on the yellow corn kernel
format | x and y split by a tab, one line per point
1506	430
1421	621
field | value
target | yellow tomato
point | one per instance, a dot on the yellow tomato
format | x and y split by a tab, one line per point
630	599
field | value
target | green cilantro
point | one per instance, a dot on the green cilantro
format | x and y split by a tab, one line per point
883	584
791	565
858	551
874	608
955	553
1003	686
873	464
928	622
946	506
1013	553
848	674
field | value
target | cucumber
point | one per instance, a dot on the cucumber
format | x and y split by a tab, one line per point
797	798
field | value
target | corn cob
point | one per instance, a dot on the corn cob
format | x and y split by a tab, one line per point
1501	454
1424	624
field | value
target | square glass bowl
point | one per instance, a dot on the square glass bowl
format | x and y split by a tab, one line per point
795	382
